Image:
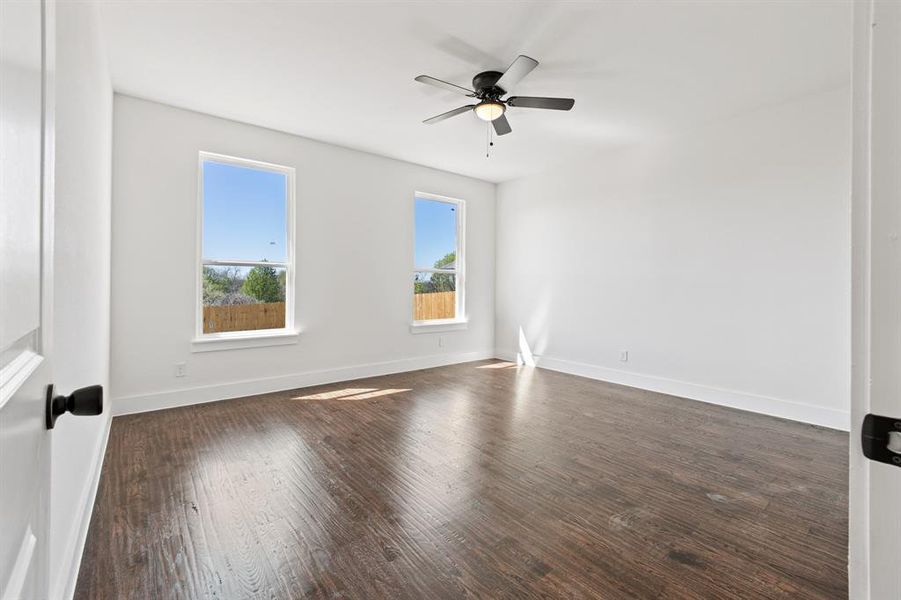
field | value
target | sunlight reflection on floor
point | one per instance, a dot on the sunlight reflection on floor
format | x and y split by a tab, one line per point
499	365
376	393
335	394
352	394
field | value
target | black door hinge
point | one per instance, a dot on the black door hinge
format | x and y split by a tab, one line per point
881	439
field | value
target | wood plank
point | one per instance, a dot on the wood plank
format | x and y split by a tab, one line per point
434	305
243	317
477	480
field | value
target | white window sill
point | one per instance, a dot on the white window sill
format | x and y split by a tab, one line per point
438	326
241	339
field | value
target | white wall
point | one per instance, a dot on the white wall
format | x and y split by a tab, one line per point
719	259
82	278
354	241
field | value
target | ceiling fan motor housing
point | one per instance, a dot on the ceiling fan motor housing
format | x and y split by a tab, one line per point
484	85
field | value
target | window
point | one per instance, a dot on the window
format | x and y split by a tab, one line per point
438	265
246	275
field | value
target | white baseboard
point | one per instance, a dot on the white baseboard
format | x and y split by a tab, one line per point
138	403
776	407
79	533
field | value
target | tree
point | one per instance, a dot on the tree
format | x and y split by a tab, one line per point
444	282
437	282
220	282
263	284
447	261
282	281
233	298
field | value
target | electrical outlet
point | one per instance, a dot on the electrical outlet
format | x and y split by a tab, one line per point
181	369
624	356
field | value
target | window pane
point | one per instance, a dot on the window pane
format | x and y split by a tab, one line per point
243	213
434	296
436	234
243	298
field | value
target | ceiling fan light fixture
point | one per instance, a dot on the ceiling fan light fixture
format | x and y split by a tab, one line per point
489	110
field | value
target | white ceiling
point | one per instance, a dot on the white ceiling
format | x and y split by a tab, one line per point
342	72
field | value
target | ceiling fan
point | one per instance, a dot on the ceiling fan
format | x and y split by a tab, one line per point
490	87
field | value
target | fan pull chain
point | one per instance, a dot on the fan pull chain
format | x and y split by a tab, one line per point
488	141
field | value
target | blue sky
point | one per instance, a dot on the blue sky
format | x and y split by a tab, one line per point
436	231
244	217
243	213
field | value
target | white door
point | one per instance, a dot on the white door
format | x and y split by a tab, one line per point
26	213
875	487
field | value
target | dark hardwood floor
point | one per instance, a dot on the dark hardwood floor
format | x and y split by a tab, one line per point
477	480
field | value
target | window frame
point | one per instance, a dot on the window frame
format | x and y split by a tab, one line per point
288	334
459	271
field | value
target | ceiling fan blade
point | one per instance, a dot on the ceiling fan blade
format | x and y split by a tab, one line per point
444	85
537	102
521	67
501	125
449	114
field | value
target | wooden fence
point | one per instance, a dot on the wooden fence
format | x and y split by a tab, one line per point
437	305
243	317
249	317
